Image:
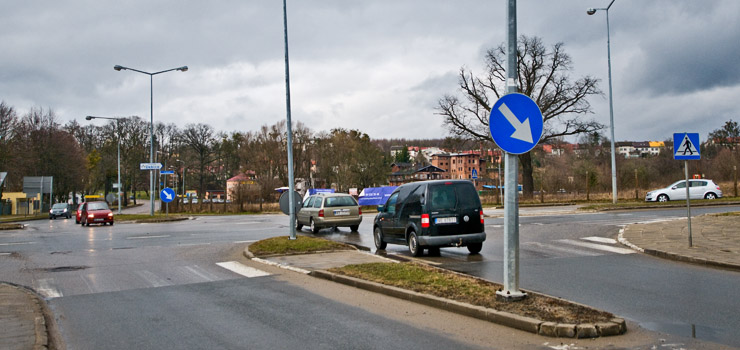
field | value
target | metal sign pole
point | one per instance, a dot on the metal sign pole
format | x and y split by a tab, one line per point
688	199
511	194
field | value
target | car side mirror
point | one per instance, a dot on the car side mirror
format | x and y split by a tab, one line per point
381	208
673	188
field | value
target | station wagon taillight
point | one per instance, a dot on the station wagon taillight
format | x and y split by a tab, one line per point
481	216
321	213
424	220
359	211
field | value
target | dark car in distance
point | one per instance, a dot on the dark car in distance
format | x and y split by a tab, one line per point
430	215
60	209
96	212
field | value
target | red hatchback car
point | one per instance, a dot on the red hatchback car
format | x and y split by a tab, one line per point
95	213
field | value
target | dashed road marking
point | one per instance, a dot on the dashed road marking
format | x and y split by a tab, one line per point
146	237
600	240
16	243
598	246
48	289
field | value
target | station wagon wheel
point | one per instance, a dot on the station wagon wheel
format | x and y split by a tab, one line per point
378	236
474	248
298	225
710	195
314	229
662	198
414	248
354	228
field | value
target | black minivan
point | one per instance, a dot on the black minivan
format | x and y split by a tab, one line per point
430	215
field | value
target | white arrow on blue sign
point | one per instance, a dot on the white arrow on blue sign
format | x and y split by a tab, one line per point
167	195
516	123
686	146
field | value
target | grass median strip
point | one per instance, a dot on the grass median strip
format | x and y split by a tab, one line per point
283	245
444	284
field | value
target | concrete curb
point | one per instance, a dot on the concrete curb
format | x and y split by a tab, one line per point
616	326
41	331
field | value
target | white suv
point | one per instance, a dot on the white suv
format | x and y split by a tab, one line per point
698	189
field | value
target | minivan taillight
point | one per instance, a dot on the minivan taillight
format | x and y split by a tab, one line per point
424	220
481	216
321	213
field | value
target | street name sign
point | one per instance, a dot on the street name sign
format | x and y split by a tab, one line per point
686	146
167	172
150	166
167	195
516	123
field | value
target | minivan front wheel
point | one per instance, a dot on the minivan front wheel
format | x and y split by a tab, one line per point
474	248
414	248
378	237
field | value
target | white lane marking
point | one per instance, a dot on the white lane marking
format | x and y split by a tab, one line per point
16	243
48	289
252	241
196	270
242	269
598	246
192	244
152	279
3	254
600	240
546	248
146	237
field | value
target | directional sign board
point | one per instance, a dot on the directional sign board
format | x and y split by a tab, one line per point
686	146
167	195
474	174
516	123
150	166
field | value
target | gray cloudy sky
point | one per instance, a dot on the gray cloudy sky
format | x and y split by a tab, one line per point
379	66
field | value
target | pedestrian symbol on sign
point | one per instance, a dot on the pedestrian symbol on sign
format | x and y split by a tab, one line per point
685	146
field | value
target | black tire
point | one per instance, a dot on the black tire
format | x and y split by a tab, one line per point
413	244
378	238
474	248
111	223
710	195
354	228
663	198
314	228
434	251
77	221
298	225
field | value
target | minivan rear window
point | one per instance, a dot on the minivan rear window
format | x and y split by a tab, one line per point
457	195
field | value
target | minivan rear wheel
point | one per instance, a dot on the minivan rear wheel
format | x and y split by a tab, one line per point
378	237
474	248
414	248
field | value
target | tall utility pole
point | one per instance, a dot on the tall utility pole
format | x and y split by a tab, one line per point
291	186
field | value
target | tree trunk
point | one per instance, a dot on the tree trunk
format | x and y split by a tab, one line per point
527	179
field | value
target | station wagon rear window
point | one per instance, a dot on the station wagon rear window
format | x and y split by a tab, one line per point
340	202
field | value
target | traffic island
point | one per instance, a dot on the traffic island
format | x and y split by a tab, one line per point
474	297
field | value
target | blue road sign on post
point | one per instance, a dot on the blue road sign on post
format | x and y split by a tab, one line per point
167	195
686	146
167	172
516	123
474	174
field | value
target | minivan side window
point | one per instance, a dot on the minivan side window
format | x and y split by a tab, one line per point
391	205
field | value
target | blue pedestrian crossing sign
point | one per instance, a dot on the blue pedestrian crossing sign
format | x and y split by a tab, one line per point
686	146
474	174
167	195
516	123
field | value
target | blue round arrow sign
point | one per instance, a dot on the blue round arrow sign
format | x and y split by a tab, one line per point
516	123
167	195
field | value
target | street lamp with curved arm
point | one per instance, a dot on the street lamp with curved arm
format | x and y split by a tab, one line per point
592	11
151	117
118	186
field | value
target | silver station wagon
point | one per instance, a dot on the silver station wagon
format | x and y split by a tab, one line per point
329	210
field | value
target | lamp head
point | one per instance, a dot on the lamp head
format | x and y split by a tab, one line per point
89	117
591	11
183	69
118	68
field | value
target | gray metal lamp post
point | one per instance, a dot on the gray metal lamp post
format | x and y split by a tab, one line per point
151	127
591	11
118	188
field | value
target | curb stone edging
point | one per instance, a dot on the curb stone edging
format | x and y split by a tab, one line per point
616	326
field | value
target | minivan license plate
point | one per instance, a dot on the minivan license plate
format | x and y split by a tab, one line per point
450	220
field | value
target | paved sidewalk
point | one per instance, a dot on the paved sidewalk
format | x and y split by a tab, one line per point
21	319
716	240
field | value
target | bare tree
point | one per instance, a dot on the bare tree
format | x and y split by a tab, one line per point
199	137
543	76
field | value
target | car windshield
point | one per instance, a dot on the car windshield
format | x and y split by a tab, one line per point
344	201
97	206
59	206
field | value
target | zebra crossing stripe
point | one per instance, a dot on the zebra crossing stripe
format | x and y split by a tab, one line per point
242	269
598	246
